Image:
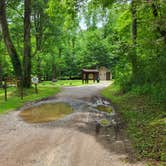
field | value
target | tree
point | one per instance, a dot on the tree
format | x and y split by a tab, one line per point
27	45
1	68
159	18
25	72
134	38
8	42
40	22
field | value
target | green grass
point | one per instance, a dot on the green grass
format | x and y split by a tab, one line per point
64	83
46	89
14	101
146	122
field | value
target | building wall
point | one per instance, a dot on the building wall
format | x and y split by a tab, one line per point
103	74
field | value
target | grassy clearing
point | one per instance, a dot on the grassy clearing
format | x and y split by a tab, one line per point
60	83
14	101
146	122
46	88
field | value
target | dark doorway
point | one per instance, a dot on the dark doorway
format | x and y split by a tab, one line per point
108	76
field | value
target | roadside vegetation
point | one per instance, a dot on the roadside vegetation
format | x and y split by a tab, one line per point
14	100
145	120
60	83
45	89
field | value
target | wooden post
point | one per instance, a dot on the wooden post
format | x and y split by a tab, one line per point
86	77
82	77
97	128
5	89
94	77
21	88
36	90
35	81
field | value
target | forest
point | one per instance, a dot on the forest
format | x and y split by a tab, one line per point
58	39
55	40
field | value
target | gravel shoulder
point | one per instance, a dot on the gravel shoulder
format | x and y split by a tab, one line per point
71	141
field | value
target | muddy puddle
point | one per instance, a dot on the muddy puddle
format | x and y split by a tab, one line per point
104	108
46	112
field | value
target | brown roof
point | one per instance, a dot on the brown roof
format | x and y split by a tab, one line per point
90	70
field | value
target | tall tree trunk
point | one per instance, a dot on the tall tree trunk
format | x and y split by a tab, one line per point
38	23
1	67
72	67
134	38
39	67
8	42
161	31
27	44
60	54
53	72
1	72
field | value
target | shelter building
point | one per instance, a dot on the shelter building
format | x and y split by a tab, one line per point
89	74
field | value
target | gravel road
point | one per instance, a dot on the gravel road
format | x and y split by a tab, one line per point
71	141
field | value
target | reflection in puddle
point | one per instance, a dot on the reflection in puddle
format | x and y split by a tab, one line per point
46	112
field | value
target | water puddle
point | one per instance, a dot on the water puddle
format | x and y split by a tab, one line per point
46	112
104	108
105	114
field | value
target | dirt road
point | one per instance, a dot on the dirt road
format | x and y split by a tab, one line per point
71	141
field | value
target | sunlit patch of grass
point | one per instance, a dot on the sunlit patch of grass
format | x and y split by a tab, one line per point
145	119
64	83
45	89
10	91
14	101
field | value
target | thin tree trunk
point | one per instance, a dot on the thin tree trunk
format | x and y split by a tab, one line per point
38	36
162	32
60	54
39	29
53	68
53	72
1	67
1	72
39	67
27	44
134	38
8	42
